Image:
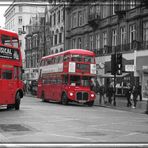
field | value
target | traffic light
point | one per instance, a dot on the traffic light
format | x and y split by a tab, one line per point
119	64
113	64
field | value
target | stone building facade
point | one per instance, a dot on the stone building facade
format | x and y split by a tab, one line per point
106	27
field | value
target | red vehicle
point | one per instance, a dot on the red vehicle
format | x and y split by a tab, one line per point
11	83
66	76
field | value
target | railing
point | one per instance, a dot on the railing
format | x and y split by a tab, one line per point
93	16
130	47
119	8
93	20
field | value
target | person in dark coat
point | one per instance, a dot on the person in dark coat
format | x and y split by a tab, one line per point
139	92
135	94
110	92
128	95
102	93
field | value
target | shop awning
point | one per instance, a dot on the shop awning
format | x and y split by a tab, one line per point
109	75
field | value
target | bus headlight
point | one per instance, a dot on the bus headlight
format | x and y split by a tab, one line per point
71	93
92	95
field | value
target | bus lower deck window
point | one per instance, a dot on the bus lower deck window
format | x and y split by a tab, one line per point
7	74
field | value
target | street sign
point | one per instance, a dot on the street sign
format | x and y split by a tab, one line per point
129	67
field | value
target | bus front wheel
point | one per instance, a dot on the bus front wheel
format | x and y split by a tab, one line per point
64	99
17	101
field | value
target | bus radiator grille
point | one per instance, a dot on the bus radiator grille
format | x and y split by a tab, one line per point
82	96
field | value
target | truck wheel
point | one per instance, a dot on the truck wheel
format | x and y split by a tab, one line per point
17	101
64	99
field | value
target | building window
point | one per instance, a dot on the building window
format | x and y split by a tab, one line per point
97	41
113	8
132	4
84	16
91	42
60	37
80	18
74	43
114	37
79	43
74	20
55	39
104	11
123	5
145	33
20	8
54	19
104	39
20	20
132	33
62	14
58	15
123	36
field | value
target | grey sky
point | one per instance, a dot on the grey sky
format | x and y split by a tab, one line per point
3	6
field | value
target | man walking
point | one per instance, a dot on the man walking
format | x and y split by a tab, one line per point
128	95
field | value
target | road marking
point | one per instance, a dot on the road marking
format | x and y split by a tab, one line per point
3	138
76	137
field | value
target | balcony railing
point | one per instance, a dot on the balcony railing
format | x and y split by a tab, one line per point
120	10
145	3
129	47
93	20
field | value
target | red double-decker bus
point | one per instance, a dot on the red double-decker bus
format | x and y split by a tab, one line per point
66	76
11	83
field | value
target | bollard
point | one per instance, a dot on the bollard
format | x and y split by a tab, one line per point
146	107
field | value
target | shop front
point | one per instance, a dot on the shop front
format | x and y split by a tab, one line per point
142	69
121	80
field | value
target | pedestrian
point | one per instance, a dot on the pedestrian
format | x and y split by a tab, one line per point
97	86
135	94
102	94
93	84
110	92
128	95
139	91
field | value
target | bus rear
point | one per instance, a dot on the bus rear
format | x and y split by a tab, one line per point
11	82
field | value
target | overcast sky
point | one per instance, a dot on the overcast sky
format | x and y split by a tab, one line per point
3	6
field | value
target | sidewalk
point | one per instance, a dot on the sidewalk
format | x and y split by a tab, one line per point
121	104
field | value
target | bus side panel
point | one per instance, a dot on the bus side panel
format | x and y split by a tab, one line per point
56	92
8	86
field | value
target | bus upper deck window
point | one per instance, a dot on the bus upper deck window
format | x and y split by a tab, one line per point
77	58
60	59
66	58
15	42
88	59
6	40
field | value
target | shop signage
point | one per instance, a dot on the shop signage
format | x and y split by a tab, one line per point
8	53
100	65
144	67
129	67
